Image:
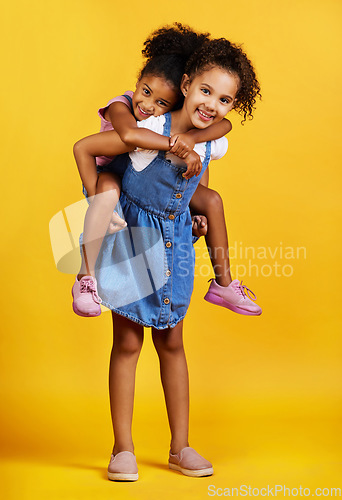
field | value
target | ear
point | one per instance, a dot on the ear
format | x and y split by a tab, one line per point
185	84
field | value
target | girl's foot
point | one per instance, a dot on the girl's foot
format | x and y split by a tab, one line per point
86	301
236	297
123	467
116	224
190	463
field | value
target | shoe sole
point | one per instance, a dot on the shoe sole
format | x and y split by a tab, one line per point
219	301
121	476
80	313
192	473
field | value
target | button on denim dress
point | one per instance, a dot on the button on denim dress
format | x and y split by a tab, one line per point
145	272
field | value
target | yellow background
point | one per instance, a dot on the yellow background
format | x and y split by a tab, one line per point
265	392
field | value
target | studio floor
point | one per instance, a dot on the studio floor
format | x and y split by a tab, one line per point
257	455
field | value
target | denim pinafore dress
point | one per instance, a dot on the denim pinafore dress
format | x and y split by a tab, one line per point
145	272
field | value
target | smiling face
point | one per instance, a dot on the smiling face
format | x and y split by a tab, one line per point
209	96
153	96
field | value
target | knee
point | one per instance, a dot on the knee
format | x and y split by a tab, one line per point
128	345
167	345
214	201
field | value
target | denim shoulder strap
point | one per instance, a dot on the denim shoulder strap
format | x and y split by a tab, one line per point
167	125
166	130
207	154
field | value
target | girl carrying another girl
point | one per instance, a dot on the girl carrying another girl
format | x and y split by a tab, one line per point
157	91
155	201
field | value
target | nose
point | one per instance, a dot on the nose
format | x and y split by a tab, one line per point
149	107
210	104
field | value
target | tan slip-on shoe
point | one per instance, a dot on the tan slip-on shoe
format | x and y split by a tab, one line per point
190	463
123	467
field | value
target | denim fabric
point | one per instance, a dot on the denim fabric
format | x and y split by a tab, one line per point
146	271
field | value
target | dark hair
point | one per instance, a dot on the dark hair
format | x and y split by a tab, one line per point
230	57
167	51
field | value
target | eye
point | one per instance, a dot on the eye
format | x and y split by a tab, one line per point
224	100
161	103
205	91
146	91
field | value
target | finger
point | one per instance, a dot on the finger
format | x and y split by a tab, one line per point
173	140
188	173
175	150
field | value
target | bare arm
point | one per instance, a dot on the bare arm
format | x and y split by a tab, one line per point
211	133
109	144
126	126
85	151
182	144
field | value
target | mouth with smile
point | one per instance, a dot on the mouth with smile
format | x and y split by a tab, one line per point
142	112
204	115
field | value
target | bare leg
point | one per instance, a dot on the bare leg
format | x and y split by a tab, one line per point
175	381
208	202
97	220
127	342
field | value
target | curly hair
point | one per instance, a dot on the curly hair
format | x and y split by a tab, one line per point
230	57
167	51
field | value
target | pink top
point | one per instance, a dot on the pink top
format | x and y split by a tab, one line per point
107	125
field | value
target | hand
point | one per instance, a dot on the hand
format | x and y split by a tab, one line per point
181	145
116	224
194	164
199	225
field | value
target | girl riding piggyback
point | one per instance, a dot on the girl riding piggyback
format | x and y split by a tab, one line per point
157	91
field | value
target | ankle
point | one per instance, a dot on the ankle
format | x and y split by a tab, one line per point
118	449
81	275
175	448
223	280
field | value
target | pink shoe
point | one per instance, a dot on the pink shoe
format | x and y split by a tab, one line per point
123	467
234	297
86	300
190	463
